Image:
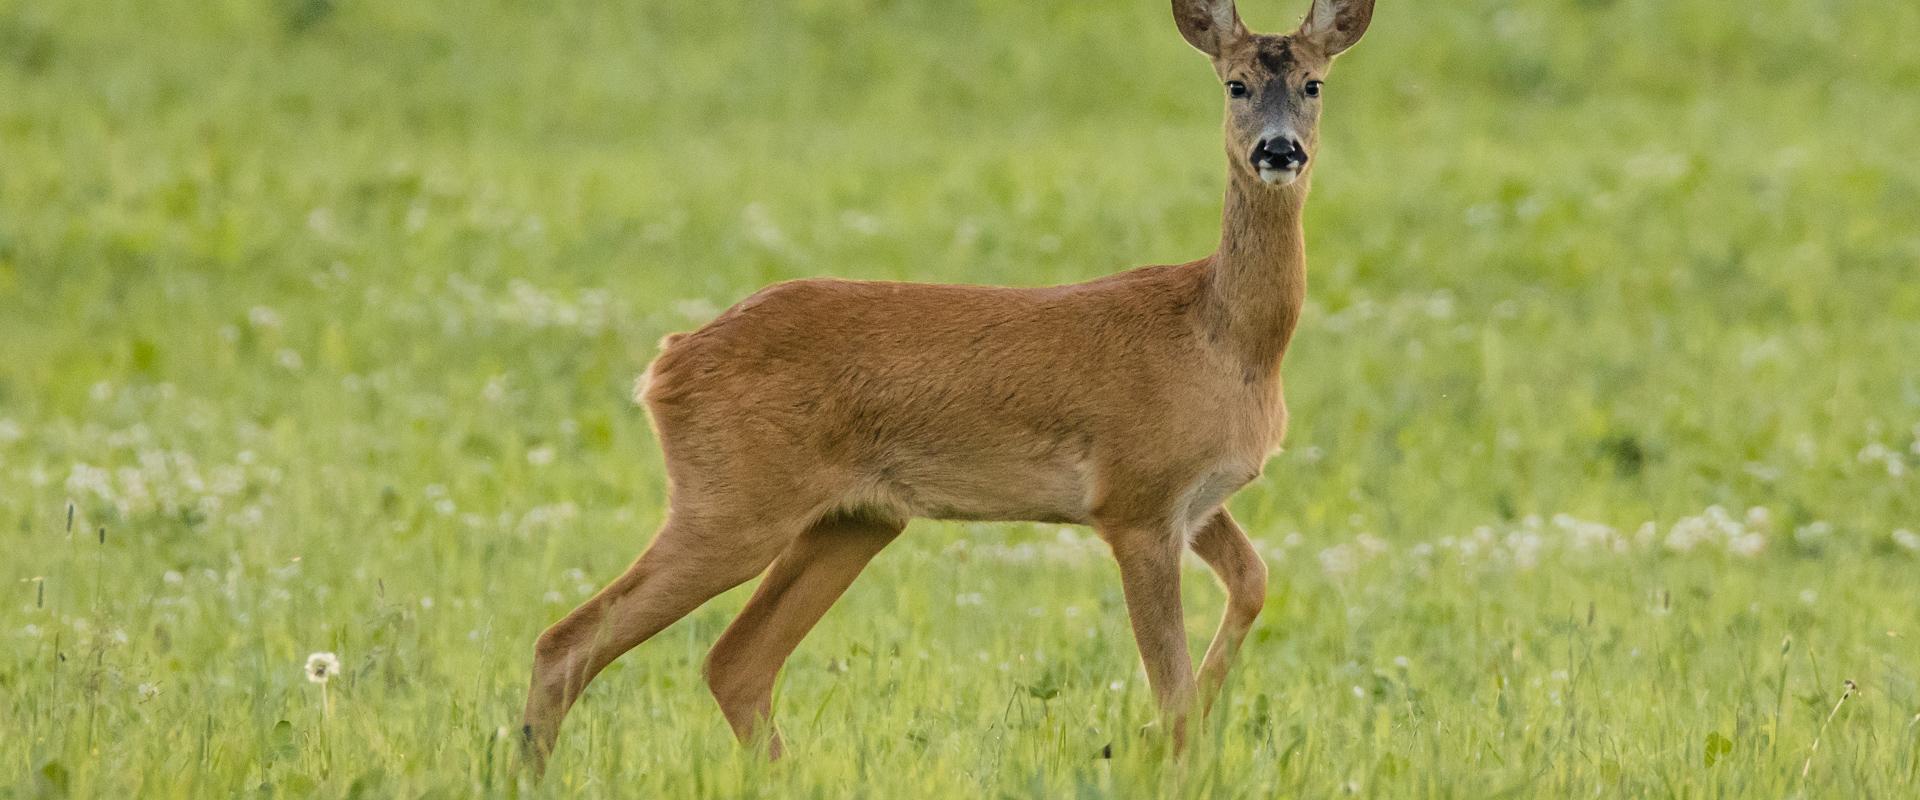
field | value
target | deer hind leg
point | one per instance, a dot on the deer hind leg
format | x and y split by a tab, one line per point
690	561
805	580
1224	546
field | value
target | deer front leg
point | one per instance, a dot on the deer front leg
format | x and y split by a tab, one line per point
1225	548
1149	558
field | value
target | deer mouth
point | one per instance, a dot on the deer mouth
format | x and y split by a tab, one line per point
1279	175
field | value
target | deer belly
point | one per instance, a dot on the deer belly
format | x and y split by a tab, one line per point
1053	489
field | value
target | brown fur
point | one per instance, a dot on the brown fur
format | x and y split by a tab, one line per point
806	425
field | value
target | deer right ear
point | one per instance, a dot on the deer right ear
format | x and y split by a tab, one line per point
1209	25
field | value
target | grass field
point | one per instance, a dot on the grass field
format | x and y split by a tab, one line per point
321	317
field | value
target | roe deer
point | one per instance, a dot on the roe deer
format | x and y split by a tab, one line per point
805	426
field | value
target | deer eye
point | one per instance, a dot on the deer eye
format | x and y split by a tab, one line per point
1236	89
1313	88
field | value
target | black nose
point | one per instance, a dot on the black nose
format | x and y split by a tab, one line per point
1282	152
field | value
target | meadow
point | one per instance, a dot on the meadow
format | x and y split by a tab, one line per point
319	318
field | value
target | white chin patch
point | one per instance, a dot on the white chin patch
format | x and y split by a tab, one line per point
1278	177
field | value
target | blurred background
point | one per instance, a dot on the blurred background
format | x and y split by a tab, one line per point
318	320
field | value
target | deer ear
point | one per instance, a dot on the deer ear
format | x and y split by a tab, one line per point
1335	25
1209	25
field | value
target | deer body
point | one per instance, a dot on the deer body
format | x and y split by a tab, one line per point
957	402
807	424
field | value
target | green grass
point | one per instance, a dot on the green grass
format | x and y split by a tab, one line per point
326	314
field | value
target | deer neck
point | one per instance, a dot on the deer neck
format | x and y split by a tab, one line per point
1259	275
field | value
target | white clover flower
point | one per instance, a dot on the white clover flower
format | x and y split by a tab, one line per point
148	691
1747	545
321	667
540	456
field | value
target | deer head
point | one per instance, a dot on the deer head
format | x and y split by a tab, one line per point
1273	83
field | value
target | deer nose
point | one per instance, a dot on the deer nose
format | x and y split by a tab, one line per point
1279	152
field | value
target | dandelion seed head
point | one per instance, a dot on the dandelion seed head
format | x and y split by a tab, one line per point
321	667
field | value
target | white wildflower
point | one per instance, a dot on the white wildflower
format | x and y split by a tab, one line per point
495	390
1813	534
1688	533
540	456
1907	539
1338	560
264	318
321	667
89	479
320	221
860	222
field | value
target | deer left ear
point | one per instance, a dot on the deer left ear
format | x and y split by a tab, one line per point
1335	25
